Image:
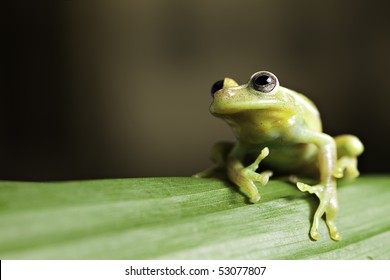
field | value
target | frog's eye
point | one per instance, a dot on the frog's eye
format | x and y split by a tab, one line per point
216	86
264	81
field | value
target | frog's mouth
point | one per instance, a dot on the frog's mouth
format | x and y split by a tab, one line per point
218	108
232	100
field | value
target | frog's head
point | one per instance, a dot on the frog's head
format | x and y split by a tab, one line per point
261	92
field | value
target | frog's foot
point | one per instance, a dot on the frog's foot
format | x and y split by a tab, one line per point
349	147
328	205
346	165
245	177
219	153
209	172
250	171
293	179
252	177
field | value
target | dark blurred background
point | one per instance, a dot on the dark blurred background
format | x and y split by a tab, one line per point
103	89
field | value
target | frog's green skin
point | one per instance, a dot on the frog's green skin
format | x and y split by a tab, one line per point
281	129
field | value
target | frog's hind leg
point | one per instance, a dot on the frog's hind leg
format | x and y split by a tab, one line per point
219	153
349	147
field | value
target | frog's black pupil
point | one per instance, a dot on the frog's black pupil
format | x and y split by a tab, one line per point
263	80
216	86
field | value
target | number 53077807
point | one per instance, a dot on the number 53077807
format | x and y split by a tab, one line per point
241	270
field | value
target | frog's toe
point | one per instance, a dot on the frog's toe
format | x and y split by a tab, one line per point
199	175
293	179
263	154
314	234
209	172
336	236
334	233
353	173
263	177
254	198
303	187
338	173
317	189
346	165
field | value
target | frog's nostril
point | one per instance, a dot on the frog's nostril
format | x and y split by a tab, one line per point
216	86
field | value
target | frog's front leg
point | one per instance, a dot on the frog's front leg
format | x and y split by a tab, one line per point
244	177
326	191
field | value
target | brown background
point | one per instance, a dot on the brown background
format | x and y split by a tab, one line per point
97	89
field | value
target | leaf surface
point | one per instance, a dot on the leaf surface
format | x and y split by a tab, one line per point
187	218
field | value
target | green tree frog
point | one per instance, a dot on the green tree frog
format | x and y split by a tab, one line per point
281	129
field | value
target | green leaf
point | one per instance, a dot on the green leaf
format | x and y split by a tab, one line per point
187	218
